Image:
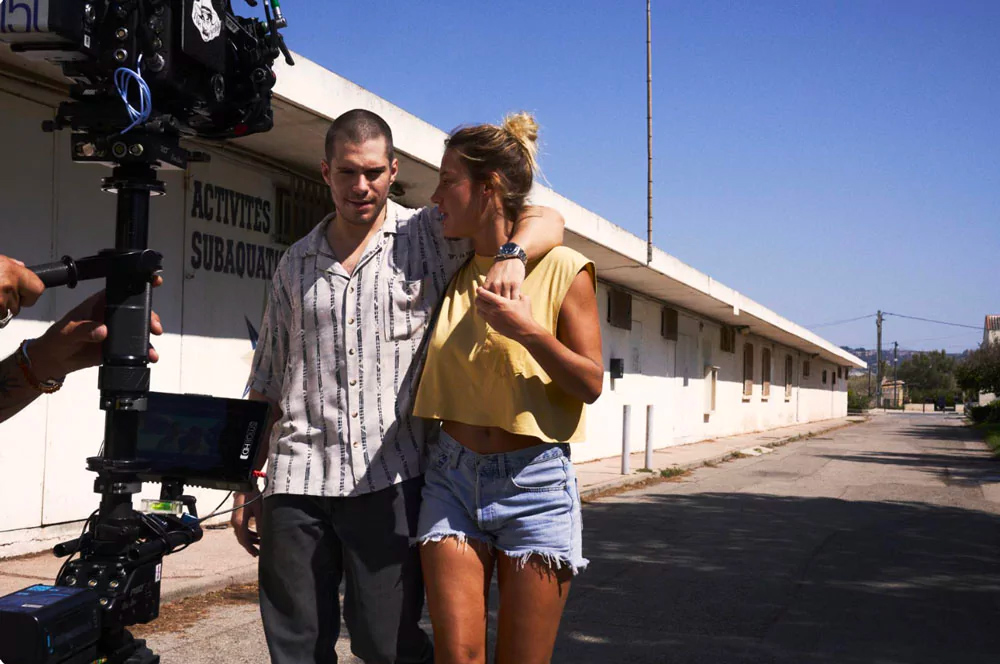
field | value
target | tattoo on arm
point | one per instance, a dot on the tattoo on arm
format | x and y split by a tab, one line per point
15	392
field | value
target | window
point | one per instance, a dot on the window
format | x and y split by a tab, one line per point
747	369
765	372
833	376
728	339
805	369
299	208
620	309
711	387
668	323
789	366
824	376
839	370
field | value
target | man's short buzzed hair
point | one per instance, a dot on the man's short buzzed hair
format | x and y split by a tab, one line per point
358	126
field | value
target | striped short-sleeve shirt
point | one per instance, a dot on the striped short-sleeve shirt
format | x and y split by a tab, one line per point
341	355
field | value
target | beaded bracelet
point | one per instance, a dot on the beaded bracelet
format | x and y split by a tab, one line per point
47	386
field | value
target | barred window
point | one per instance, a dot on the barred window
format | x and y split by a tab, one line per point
727	341
747	369
299	208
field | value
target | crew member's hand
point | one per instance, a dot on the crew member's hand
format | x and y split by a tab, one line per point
505	278
74	341
19	286
250	509
511	318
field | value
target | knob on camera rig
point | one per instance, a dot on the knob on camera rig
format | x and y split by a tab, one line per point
145	74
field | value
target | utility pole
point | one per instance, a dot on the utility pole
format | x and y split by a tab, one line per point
649	135
869	384
895	372
878	361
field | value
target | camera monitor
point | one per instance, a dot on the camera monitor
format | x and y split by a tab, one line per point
201	440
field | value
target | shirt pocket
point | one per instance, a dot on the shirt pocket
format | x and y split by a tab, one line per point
407	309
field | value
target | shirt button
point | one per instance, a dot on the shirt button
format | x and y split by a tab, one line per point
355	444
353	382
354	414
351	289
350	321
350	352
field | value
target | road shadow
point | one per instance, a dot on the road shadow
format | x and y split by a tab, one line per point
948	459
756	578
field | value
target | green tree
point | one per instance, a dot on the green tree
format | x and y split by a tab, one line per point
929	376
858	395
980	370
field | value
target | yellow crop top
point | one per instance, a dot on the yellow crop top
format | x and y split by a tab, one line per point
475	375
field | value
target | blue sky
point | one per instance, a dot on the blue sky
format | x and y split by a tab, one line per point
826	158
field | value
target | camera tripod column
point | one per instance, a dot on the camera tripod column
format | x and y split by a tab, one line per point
124	374
110	554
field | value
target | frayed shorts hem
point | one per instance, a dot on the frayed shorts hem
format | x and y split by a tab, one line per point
554	560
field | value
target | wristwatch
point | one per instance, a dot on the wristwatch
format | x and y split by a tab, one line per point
511	250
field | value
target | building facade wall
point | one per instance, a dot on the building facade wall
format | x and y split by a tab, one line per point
671	377
215	229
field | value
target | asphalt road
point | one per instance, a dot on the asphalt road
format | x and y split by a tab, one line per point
878	543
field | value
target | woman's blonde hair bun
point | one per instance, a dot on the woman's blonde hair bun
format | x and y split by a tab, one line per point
524	129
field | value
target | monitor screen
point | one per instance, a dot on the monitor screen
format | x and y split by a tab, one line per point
201	440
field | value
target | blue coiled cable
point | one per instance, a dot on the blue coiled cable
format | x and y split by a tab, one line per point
123	77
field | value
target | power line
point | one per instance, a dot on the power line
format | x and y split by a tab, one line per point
939	322
841	322
951	336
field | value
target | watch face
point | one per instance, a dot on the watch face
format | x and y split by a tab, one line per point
509	249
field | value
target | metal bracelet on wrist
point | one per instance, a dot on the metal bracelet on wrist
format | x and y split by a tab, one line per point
511	250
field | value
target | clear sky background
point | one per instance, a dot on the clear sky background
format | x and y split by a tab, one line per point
828	159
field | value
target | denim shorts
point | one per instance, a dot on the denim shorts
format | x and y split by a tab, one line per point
524	503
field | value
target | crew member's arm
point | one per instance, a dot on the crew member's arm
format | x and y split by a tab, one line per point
572	357
537	230
72	343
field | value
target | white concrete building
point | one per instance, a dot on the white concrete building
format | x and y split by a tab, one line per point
709	360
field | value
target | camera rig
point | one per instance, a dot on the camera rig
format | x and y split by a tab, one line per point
145	74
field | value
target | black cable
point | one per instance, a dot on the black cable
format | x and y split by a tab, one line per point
219	506
82	533
928	320
841	322
260	496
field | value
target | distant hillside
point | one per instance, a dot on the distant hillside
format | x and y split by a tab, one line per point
870	355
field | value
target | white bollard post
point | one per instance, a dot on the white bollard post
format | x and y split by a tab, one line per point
649	436
626	438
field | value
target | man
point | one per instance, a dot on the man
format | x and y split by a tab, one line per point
338	357
74	342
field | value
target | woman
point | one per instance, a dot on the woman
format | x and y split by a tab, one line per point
508	378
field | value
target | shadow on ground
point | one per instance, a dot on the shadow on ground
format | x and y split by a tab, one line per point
759	578
951	464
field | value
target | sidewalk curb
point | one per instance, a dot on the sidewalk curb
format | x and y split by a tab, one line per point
636	477
202	586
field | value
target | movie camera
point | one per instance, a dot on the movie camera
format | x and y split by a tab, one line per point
144	74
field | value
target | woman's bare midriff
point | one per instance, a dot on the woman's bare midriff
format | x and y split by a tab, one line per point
488	440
